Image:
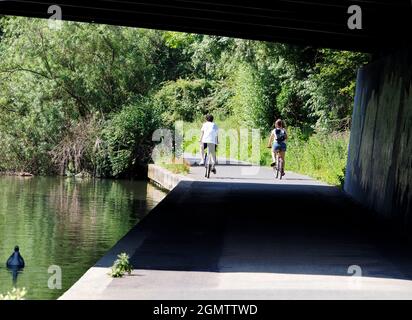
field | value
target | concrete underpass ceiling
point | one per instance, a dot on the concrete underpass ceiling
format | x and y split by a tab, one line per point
387	24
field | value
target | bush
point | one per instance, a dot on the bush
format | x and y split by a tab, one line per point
249	103
321	156
76	150
291	104
331	88
127	140
184	99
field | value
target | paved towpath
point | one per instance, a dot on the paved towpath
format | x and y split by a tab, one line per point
244	235
242	172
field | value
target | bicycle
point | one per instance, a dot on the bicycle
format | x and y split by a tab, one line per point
208	166
278	167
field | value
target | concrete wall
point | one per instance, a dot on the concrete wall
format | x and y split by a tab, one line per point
164	178
379	171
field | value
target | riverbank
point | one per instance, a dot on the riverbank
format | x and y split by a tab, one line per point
16	174
67	222
164	178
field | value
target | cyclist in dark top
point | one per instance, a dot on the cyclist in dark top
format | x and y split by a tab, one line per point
277	142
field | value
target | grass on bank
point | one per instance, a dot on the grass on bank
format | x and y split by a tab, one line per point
174	166
319	155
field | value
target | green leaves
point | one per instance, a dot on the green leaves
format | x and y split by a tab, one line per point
128	136
131	81
249	103
331	87
121	266
185	99
52	81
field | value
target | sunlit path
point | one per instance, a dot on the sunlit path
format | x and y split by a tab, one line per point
229	170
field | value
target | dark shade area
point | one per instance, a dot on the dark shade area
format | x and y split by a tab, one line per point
249	227
316	23
379	170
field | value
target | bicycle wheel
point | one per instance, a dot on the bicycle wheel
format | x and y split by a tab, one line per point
274	171
280	168
206	164
277	166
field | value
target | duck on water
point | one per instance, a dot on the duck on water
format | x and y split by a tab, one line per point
15	260
15	263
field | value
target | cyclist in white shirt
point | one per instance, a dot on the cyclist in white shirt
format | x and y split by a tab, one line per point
209	139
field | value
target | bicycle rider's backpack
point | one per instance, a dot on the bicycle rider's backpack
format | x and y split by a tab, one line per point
280	135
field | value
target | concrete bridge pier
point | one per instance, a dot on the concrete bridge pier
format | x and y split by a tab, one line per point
379	170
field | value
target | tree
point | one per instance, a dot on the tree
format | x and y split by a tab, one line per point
85	97
56	78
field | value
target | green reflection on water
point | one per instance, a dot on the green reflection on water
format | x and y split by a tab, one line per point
65	222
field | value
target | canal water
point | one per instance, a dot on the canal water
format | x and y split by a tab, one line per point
65	222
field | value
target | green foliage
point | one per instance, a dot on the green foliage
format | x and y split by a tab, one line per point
291	104
184	99
249	104
177	168
65	84
212	56
15	294
76	151
320	155
174	166
121	266
127	138
90	67
331	88
87	97
178	39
